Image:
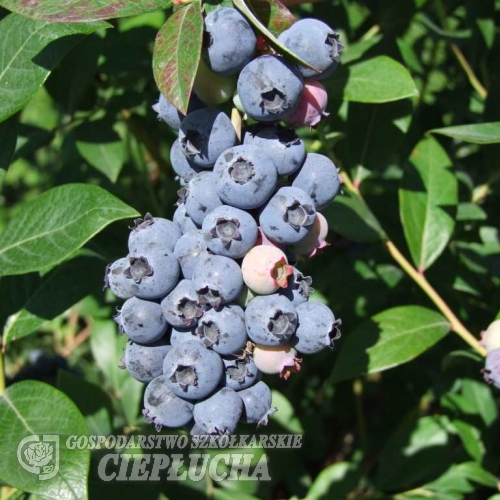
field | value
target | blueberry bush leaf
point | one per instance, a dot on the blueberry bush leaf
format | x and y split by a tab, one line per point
478	133
60	289
177	53
29	51
273	14
389	339
33	241
29	408
8	139
428	202
76	11
376	80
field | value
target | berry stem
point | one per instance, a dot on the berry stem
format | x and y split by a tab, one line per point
2	373
419	278
236	121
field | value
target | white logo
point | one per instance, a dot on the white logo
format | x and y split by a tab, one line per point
39	454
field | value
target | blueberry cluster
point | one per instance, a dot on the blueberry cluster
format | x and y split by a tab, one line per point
213	299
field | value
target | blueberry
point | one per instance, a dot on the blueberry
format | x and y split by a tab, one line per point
288	216
316	43
217	280
183	220
223	330
154	275
271	320
181	165
192	371
205	134
189	249
179	336
153	234
229	40
141	320
283	145
181	306
257	401
299	288
491	370
240	373
201	196
319	178
145	362
220	413
317	328
116	281
229	231
213	88
163	408
246	176
269	88
168	113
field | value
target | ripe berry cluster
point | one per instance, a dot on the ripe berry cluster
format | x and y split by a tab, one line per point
212	300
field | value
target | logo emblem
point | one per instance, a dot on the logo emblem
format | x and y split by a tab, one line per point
39	454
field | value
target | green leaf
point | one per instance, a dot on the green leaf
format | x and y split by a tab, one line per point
102	147
58	291
335	482
471	439
376	80
33	408
76	11
8	138
480	396
285	416
389	339
428	201
470	211
50	228
273	15
349	216
478	133
177	53
247	12
30	51
91	400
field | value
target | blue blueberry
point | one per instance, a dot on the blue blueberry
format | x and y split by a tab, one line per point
192	371
153	234
246	176
181	165
205	134
220	413
317	328
229	231
271	320
180	335
181	306
141	320
288	216
316	43
200	196
217	280
269	88
163	408
241	373
168	113
229	41
116	281
145	361
153	275
319	178
181	218
283	145
491	370
257	401
223	330
299	288
189	249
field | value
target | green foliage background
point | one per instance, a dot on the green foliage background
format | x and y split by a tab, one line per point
399	410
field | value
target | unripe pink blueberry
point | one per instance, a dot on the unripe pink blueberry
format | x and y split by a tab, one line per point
311	108
265	269
315	241
280	359
490	338
262	239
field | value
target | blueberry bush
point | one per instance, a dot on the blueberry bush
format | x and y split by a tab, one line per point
241	190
